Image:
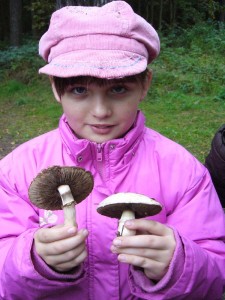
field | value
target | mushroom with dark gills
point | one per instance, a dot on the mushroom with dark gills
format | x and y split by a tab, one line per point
127	206
57	188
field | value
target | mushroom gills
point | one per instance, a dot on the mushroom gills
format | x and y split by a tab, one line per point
61	187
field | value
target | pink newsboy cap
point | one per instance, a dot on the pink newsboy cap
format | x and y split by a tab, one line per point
106	42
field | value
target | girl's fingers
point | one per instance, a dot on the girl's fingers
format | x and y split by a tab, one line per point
159	236
138	241
152	269
149	226
152	251
156	255
66	257
60	246
68	265
138	261
56	233
144	241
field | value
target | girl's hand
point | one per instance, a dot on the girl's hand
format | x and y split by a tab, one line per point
61	247
151	249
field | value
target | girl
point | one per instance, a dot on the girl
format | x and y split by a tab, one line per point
97	61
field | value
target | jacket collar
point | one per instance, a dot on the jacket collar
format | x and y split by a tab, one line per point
123	148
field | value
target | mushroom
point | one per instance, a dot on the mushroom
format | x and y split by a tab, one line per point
57	188
128	206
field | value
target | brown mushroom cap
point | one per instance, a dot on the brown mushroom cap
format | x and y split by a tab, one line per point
142	206
43	190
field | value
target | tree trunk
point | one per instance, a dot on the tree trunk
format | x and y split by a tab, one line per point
152	12
147	12
4	21
15	7
173	8
160	14
222	11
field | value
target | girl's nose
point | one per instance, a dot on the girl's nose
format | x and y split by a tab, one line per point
101	108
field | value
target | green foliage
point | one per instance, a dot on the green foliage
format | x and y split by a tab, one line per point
20	63
187	98
194	12
41	11
220	96
13	86
208	37
213	8
196	64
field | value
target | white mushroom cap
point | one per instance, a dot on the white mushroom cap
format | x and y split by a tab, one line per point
142	206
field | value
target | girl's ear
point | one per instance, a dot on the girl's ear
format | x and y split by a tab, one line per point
146	84
58	99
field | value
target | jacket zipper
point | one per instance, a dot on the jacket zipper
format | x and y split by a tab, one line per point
100	159
99	152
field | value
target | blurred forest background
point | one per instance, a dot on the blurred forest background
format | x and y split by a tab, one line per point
22	18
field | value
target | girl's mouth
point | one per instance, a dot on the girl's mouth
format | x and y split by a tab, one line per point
101	128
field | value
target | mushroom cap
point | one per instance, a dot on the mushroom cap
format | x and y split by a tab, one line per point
143	206
43	190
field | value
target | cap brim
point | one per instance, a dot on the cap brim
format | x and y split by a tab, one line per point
96	63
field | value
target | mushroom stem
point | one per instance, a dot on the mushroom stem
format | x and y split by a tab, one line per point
122	230
68	204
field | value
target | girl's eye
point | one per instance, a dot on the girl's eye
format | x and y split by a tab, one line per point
79	90
118	89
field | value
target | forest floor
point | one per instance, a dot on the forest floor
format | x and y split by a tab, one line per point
7	141
7	145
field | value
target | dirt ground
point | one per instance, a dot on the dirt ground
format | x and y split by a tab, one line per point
6	145
7	142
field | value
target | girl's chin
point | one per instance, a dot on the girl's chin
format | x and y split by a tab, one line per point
99	138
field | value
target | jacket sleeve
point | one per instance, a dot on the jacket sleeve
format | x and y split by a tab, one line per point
215	163
22	272
197	268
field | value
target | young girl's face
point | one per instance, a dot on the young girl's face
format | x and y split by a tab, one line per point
102	112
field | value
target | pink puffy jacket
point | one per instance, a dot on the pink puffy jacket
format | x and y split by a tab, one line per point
144	162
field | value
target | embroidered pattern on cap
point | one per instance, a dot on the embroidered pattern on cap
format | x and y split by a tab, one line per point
100	67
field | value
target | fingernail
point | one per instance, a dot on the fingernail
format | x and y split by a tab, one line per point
72	230
114	249
84	232
117	242
122	258
129	223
